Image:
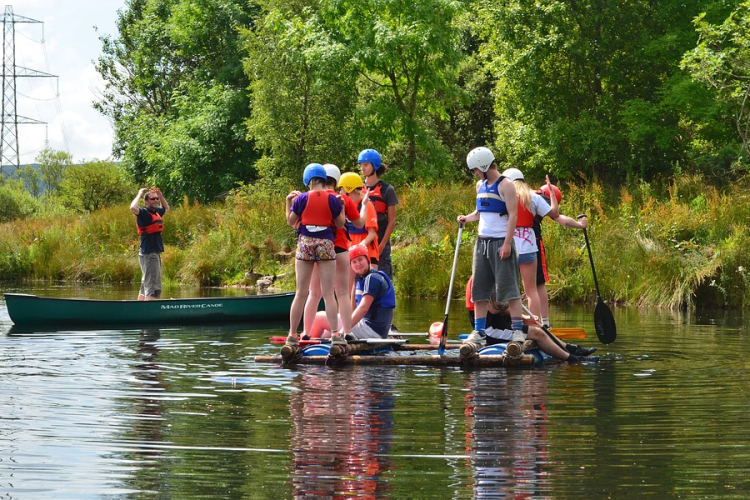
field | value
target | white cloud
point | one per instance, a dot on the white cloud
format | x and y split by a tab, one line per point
71	44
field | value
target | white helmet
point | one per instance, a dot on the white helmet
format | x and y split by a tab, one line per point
513	174
333	172
480	158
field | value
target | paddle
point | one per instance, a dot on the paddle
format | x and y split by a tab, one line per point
444	333
604	322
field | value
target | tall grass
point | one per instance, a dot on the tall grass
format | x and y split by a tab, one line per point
680	245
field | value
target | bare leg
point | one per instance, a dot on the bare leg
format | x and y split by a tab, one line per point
343	291
311	305
528	276
327	269
546	344
303	270
541	290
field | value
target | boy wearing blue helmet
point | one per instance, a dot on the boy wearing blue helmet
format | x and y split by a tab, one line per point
384	199
314	214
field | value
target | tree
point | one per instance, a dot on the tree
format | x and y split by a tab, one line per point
52	165
93	185
303	90
175	90
722	60
406	54
588	87
31	179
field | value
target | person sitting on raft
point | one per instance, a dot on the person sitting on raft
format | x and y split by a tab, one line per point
500	331
374	296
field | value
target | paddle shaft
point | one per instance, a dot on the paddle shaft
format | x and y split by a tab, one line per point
591	259
604	322
444	333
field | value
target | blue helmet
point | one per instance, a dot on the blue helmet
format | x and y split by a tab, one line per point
370	155
313	170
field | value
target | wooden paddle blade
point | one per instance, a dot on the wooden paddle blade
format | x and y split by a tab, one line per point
604	323
568	333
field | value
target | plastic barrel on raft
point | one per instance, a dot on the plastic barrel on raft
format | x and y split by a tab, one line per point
498	349
317	350
436	331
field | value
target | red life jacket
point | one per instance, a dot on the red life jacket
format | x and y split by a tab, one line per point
317	212
525	217
155	226
376	197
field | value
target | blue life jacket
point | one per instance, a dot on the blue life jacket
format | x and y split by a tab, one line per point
387	301
489	200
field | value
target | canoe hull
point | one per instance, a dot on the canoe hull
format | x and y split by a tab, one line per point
31	310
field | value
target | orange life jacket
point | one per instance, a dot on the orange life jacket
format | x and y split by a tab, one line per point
525	217
155	226
376	197
317	212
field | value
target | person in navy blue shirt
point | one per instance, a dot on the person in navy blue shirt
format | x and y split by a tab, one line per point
148	220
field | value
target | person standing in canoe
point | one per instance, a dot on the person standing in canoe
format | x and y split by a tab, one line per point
351	187
318	213
384	199
495	264
341	244
148	220
374	297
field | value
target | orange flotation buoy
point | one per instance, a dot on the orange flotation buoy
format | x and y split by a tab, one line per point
436	331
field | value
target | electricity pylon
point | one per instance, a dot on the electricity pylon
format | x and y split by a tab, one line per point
10	120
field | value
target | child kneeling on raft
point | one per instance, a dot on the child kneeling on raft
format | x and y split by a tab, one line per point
374	298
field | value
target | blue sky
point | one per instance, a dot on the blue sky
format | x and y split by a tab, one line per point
70	45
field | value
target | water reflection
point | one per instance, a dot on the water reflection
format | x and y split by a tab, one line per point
341	434
506	422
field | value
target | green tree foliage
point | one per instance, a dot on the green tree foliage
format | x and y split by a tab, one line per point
15	201
406	54
588	87
94	185
52	165
302	87
722	60
175	89
31	179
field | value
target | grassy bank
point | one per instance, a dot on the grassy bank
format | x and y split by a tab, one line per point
679	246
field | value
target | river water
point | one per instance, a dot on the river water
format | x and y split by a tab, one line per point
185	413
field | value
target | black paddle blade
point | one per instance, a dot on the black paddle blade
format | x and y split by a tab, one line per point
604	323
443	336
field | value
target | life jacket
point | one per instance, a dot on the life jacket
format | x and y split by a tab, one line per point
317	212
376	197
489	199
387	301
525	217
155	226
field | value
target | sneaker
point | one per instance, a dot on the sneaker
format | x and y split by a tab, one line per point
305	337
337	339
579	350
519	336
476	337
292	340
349	337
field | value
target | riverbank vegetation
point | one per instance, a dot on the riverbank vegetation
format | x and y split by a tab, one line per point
679	246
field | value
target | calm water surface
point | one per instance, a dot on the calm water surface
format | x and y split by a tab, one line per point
185	413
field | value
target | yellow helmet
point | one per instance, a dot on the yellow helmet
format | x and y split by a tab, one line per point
350	181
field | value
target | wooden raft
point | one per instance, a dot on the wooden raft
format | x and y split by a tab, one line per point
409	360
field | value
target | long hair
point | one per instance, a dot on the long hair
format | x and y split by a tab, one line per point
523	191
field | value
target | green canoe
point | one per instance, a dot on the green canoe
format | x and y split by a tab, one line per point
31	310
